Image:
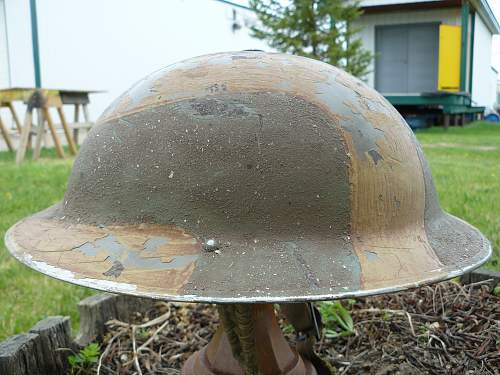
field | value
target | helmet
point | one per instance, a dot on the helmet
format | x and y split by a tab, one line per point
249	177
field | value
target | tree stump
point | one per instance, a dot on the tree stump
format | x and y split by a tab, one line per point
96	310
18	355
54	341
481	274
44	350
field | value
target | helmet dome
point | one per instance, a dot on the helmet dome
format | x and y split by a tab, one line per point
245	177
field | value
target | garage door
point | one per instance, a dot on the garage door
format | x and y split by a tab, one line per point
407	58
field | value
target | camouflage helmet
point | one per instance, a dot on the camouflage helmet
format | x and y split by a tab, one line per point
249	177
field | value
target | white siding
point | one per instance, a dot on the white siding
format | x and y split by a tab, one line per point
368	22
4	50
109	45
483	81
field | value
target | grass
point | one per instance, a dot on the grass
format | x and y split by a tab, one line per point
28	296
465	164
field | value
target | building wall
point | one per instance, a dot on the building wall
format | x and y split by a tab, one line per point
109	45
483	82
368	22
4	50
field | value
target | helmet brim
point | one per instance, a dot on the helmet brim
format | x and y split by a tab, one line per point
167	263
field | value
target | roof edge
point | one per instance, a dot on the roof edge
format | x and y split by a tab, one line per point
486	13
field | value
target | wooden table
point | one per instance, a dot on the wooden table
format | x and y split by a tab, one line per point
42	100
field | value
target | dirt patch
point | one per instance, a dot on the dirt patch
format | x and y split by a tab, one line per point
443	329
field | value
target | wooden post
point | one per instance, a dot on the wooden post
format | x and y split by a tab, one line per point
86	116
25	133
14	116
76	118
446	121
57	143
455	120
6	136
464	119
67	133
40	133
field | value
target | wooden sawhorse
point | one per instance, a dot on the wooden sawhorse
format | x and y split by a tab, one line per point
6	101
42	100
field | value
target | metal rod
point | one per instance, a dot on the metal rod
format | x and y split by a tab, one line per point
234	4
34	40
464	45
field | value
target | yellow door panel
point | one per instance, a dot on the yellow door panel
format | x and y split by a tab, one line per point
449	58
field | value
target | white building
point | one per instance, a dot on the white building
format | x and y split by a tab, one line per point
433	55
109	45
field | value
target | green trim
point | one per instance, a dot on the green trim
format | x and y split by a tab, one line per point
34	40
448	99
447	102
234	4
471	57
458	110
463	52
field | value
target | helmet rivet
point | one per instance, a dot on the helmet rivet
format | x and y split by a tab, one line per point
210	245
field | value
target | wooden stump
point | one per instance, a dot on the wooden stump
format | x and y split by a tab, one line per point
96	310
44	350
54	341
481	274
18	355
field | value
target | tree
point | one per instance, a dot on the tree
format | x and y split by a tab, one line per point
319	29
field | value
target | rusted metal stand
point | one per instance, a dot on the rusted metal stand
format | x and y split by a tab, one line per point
248	342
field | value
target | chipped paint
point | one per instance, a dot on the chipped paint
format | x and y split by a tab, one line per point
371	256
376	157
151	256
127	257
115	270
244	296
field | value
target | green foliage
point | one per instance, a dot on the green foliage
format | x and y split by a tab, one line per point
83	361
288	329
496	290
337	319
319	29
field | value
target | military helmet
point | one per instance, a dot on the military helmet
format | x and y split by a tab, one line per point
249	177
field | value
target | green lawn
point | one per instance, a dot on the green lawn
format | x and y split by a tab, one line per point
465	163
28	296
